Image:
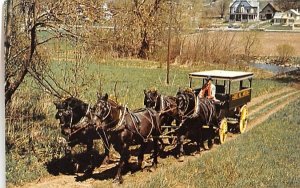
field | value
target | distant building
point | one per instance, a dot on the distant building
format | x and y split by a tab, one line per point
288	18
244	11
267	11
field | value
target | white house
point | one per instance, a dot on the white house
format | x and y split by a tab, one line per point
288	18
244	11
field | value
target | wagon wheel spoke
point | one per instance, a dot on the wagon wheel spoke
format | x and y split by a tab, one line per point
223	131
243	119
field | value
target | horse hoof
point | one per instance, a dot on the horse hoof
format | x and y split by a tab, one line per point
181	159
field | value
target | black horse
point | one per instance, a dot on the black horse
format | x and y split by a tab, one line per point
74	116
166	106
125	128
195	115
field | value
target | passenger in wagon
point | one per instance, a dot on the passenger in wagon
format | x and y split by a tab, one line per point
208	90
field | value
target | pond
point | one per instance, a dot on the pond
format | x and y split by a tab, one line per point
273	68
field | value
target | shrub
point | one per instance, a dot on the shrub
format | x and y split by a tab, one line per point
285	53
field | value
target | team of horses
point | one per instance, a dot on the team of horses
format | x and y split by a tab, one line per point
120	127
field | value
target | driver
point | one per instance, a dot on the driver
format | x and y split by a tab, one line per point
208	90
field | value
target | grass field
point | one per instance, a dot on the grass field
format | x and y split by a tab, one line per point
268	41
267	156
33	141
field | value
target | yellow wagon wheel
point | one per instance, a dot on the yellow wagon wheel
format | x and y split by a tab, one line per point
223	131
243	119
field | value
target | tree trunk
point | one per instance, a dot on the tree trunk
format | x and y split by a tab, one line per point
144	46
12	85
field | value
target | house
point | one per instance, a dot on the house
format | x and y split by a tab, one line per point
288	18
268	11
244	11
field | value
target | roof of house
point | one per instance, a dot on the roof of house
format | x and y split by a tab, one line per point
295	12
264	4
252	3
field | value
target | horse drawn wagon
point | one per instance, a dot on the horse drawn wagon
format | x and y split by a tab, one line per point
116	125
233	92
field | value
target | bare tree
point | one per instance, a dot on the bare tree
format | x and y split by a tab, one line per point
287	4
285	53
250	42
222	7
30	24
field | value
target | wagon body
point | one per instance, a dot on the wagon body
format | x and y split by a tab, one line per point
232	96
233	89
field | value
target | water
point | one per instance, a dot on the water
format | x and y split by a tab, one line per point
273	68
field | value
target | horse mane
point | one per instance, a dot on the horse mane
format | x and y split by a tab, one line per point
153	89
188	90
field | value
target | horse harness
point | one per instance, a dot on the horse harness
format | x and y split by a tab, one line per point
82	120
207	109
187	103
134	118
164	105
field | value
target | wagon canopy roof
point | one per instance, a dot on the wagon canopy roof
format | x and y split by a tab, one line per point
222	75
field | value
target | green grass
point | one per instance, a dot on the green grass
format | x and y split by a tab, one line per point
131	76
267	156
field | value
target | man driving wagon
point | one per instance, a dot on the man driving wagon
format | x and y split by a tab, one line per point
208	90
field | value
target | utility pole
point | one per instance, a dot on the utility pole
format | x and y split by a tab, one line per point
169	41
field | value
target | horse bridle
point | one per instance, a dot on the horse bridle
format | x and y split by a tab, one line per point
102	119
153	100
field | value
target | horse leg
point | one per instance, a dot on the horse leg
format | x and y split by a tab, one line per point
210	136
106	144
155	152
141	154
180	141
199	144
71	158
92	165
123	160
201	139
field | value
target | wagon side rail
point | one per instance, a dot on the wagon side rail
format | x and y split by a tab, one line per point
240	98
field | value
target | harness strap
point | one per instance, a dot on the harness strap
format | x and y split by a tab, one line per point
121	119
138	132
162	104
108	113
